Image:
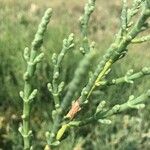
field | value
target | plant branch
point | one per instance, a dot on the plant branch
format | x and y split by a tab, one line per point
84	21
115	52
132	103
141	40
79	73
129	77
28	94
55	88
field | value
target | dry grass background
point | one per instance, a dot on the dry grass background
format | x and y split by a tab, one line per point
104	22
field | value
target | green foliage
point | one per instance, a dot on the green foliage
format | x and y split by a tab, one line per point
97	85
28	94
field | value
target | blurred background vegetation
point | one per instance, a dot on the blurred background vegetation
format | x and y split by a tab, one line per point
18	23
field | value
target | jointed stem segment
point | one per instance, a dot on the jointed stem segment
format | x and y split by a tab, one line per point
129	77
126	35
84	20
100	76
116	51
55	88
79	73
102	114
32	58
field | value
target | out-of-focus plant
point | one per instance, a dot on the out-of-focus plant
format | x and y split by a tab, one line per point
66	108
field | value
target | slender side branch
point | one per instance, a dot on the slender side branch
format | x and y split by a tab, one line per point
141	40
55	88
79	73
84	20
32	58
134	10
129	77
102	113
124	18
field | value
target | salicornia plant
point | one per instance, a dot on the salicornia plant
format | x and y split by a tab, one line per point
32	57
65	107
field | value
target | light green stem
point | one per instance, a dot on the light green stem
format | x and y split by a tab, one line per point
115	110
29	94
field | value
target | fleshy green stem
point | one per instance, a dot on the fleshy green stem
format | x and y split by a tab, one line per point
32	58
130	104
141	40
79	73
84	20
115	52
55	88
129	78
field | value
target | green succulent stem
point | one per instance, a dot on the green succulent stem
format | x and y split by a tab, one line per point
114	53
128	78
55	88
141	40
28	94
124	18
79	73
130	104
84	21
